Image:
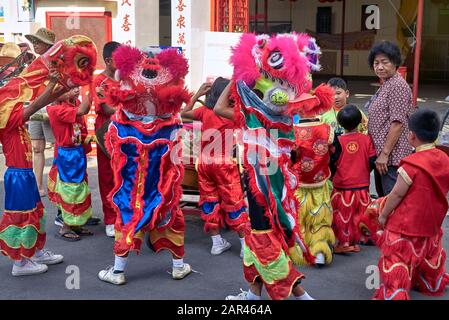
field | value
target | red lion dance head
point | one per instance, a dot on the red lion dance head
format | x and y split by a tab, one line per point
74	58
152	83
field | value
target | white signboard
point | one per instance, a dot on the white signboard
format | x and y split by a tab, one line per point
217	52
182	27
125	29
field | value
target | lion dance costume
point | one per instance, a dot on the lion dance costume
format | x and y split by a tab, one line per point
22	228
221	194
271	74
412	255
141	141
68	187
313	139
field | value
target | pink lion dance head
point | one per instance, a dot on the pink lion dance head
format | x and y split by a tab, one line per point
278	68
152	82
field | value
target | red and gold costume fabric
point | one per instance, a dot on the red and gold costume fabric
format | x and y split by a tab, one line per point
312	145
22	227
74	58
348	206
273	82
147	184
408	262
411	245
314	193
68	186
265	258
144	142
424	172
221	194
350	197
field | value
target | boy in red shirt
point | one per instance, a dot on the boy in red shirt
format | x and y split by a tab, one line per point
67	181
355	156
104	112
411	244
22	229
221	195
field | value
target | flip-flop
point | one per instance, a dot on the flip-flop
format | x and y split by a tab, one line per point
343	249
64	237
82	231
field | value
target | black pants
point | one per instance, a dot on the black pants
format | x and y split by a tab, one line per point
385	183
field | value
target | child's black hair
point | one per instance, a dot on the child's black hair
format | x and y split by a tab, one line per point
349	117
338	83
109	48
215	92
425	124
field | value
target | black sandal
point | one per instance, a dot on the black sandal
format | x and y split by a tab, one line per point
80	231
64	236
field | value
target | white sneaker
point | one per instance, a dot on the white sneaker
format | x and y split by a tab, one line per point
319	259
48	258
181	273
28	269
108	275
110	231
305	296
243	295
220	248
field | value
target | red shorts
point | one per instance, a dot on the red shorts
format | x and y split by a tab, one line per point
221	196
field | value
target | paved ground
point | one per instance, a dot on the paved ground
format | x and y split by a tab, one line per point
147	274
217	276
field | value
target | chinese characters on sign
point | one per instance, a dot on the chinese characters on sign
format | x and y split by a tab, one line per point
126	15
126	25
182	27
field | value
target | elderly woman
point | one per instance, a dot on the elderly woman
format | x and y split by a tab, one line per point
388	111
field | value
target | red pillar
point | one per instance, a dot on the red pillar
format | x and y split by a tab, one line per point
418	50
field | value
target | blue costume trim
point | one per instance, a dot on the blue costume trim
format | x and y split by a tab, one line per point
71	163
127	131
236	214
152	198
122	197
21	192
208	207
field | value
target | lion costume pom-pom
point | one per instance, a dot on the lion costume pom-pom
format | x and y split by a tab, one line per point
279	69
151	83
